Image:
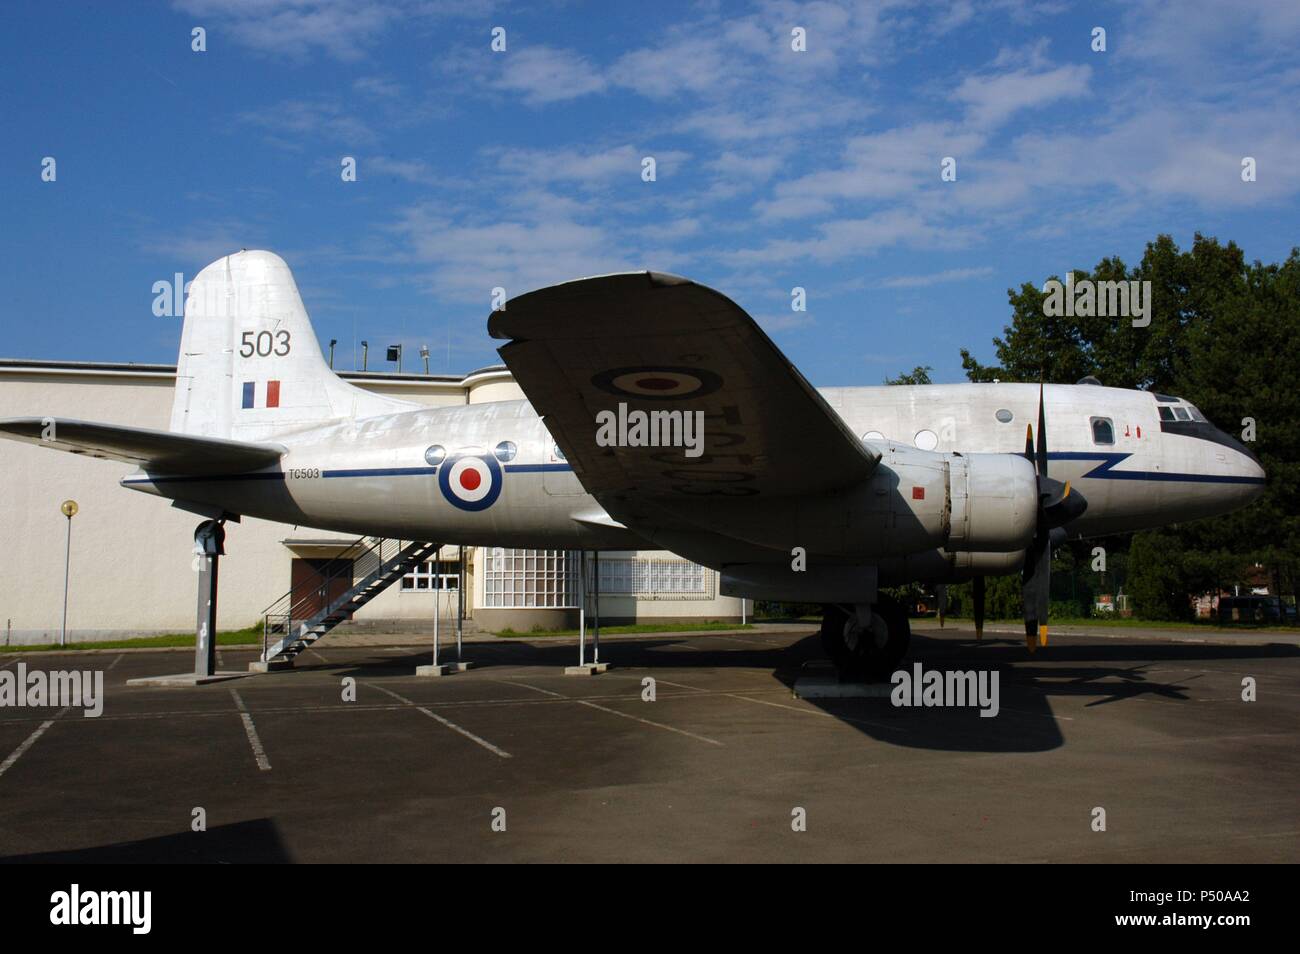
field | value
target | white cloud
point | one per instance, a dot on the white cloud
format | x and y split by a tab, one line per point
543	74
935	278
296	123
343	29
994	98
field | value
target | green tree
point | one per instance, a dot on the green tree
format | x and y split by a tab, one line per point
1223	335
918	375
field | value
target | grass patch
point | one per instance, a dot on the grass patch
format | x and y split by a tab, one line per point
631	628
249	636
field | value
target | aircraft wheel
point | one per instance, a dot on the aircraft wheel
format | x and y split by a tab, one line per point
873	651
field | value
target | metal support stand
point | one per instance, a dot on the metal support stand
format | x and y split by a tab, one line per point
209	545
205	639
460	597
440	669
584	668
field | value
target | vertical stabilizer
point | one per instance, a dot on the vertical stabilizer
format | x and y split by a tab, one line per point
250	367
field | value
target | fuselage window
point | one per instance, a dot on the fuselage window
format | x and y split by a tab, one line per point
1103	431
1166	414
1181	414
1004	416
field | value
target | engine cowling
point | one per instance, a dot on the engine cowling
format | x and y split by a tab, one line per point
993	502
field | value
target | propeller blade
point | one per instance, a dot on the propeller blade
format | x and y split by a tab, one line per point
1035	581
1041	460
977	591
1029	443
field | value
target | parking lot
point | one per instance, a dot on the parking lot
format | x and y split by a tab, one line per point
1152	730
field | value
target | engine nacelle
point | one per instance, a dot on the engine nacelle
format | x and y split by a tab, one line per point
993	500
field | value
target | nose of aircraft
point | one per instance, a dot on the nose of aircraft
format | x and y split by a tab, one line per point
1246	468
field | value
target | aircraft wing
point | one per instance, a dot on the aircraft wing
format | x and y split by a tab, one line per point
156	451
656	343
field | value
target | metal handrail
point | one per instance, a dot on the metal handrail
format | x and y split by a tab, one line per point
281	611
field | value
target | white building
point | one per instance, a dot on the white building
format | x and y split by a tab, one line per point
129	566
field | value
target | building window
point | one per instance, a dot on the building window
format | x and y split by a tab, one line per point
667	578
423	579
529	579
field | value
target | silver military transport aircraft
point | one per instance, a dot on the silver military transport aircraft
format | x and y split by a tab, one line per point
790	492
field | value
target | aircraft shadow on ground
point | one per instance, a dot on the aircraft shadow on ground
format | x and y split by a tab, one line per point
1111	673
257	840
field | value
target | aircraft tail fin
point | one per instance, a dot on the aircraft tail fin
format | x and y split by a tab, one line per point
250	367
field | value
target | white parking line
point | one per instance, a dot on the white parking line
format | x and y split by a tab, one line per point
447	722
657	725
250	730
17	753
524	685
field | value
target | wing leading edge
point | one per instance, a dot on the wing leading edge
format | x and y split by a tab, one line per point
155	451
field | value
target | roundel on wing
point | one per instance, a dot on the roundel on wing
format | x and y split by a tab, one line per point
652	382
470	481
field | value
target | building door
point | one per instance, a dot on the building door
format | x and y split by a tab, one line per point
317	583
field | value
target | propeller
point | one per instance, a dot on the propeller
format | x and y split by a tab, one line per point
1057	506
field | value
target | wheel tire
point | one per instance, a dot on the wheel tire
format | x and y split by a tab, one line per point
833	644
881	662
866	658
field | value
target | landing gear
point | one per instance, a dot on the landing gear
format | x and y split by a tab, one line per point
866	640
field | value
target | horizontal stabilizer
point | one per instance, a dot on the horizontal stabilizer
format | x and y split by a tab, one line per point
154	451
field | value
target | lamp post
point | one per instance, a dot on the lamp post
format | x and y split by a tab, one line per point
333	342
365	351
424	353
69	509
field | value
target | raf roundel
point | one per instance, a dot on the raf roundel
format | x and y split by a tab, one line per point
658	383
470	481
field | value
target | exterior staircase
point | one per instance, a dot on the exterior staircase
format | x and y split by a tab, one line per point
296	620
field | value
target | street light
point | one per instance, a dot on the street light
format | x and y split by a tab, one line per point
424	353
365	351
333	342
69	509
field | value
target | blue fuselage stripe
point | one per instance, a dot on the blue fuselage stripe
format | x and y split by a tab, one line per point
1104	470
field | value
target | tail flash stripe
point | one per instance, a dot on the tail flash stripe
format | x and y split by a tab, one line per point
248	394
272	393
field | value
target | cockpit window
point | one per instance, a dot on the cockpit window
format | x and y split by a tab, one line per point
1197	415
1181	414
1103	431
1166	414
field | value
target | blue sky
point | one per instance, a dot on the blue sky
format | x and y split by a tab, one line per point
523	168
